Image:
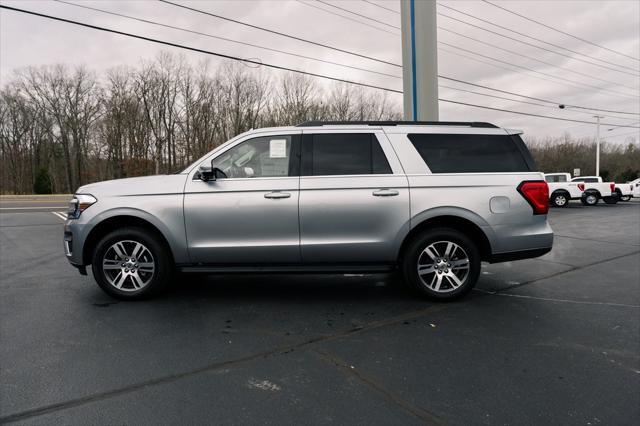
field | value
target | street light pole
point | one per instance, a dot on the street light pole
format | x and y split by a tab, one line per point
598	117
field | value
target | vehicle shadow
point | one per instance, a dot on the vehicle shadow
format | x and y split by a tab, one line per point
289	287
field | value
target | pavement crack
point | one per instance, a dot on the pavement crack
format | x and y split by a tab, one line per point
47	409
349	370
574	268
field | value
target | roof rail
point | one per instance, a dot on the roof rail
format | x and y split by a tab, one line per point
398	123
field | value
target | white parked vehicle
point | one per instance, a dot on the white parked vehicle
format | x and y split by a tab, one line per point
595	189
562	190
635	184
624	191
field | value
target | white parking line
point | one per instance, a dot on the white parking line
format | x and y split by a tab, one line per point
60	215
30	208
548	299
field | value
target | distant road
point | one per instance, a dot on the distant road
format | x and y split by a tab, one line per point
33	203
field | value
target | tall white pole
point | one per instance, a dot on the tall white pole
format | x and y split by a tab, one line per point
419	60
598	146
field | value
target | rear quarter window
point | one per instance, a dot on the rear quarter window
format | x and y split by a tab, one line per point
447	153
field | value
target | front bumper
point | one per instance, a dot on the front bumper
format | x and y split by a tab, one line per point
72	243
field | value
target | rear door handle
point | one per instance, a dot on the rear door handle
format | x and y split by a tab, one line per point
385	193
277	195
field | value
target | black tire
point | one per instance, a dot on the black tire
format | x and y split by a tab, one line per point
625	198
156	253
590	198
559	199
415	255
611	200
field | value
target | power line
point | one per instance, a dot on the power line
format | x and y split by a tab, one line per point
194	49
534	59
250	44
357	14
508	99
534	98
535	46
555	105
280	33
226	39
381	7
347	18
152	40
300	39
574	82
634	133
488	44
534	38
560	31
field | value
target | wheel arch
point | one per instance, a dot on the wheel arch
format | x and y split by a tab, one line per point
592	191
118	221
453	221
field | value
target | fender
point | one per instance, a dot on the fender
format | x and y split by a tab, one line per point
176	238
451	211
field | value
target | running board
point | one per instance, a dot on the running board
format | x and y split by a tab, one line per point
286	269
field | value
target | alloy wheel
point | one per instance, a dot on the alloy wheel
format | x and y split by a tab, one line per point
443	266
128	265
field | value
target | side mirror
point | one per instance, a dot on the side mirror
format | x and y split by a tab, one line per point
206	172
209	173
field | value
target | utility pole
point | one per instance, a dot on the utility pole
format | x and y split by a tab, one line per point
419	60
598	117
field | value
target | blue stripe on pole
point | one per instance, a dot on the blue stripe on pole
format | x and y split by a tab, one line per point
414	88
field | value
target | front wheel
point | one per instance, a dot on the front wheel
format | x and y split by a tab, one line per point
131	263
441	264
625	197
589	199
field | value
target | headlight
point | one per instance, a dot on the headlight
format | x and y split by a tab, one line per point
78	204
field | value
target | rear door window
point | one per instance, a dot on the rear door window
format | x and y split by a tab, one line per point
329	154
556	178
472	153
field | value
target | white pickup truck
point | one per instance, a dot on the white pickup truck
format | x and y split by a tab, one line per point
595	189
635	184
624	191
561	189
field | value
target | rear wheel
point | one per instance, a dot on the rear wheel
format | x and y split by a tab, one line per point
559	199
589	199
441	264
131	263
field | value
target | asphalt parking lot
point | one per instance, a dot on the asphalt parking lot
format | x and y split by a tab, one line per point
550	340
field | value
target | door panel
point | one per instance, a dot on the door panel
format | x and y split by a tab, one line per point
341	220
243	220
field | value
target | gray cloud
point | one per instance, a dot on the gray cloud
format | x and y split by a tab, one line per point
26	40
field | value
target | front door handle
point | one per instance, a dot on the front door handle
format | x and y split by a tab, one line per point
385	193
277	194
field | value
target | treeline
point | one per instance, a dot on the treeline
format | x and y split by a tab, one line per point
61	128
619	163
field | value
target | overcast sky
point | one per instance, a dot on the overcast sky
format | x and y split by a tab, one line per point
28	40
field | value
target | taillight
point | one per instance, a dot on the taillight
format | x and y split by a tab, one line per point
536	192
581	186
612	186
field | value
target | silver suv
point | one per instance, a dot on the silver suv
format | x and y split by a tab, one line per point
430	199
